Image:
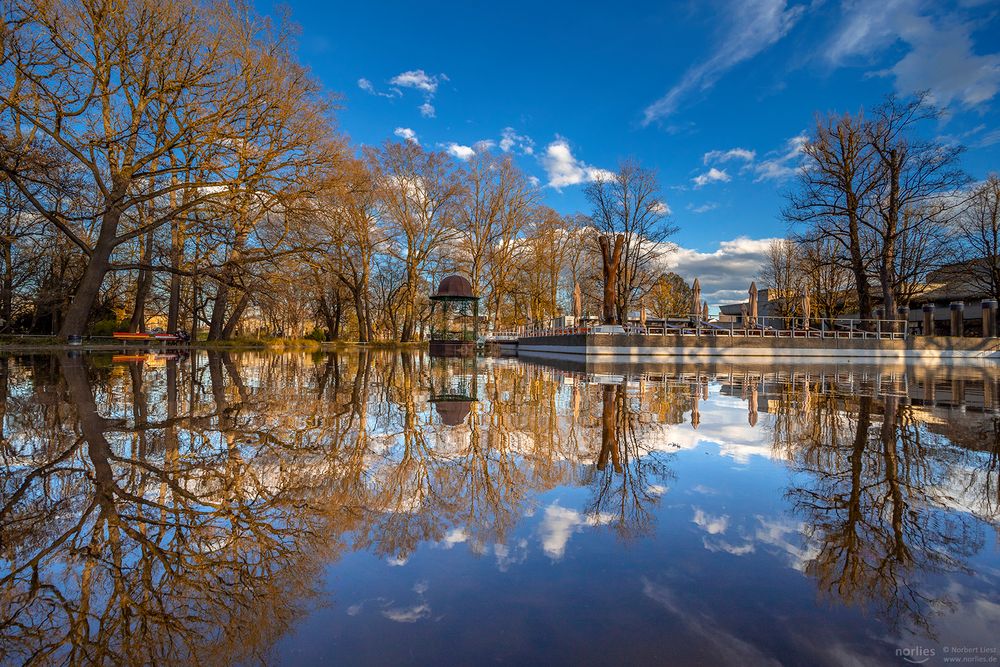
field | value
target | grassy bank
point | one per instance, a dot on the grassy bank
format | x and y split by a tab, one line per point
54	343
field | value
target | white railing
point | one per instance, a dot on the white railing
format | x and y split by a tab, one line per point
761	327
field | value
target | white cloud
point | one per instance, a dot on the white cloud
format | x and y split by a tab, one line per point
367	86
940	57
783	163
703	208
732	154
459	151
726	273
511	140
559	523
564	169
752	26
988	139
407	134
713	175
662	208
417	79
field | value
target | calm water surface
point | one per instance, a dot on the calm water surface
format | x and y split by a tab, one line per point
386	508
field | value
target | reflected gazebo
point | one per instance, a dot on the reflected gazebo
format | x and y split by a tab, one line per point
454	391
454	319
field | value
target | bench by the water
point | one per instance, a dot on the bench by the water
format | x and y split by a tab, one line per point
141	336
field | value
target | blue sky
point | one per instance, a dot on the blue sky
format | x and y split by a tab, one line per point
715	95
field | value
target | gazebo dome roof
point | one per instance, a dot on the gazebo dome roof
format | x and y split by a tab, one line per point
453	413
455	287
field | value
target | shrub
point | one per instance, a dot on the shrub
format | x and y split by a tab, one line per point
318	335
107	327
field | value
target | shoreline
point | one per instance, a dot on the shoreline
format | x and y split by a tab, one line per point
276	345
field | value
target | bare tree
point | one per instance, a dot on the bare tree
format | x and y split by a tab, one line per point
122	88
419	191
496	207
833	189
783	272
827	280
912	197
629	203
882	196
979	233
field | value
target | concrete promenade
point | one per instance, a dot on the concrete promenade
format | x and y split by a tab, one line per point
637	347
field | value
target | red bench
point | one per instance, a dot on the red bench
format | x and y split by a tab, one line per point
128	335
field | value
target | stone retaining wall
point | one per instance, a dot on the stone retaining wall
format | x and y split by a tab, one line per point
639	347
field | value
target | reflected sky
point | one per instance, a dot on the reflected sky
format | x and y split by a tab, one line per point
385	507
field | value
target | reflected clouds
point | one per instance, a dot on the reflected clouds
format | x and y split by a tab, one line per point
559	523
186	510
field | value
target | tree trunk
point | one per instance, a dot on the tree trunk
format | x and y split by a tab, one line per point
7	289
234	319
145	281
219	306
78	313
195	309
858	269
174	304
337	311
610	260
362	315
367	326
410	315
887	270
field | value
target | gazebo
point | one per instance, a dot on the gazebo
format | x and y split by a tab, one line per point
454	318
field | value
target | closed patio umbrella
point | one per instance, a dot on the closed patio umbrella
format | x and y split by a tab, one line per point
753	303
806	308
695	414
695	296
642	315
704	310
577	302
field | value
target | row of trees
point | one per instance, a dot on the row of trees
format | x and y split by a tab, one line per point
171	162
876	208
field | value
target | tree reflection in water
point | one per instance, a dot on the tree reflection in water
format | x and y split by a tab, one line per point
624	493
185	513
874	495
139	528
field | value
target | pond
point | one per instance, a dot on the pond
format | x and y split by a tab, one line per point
389	508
